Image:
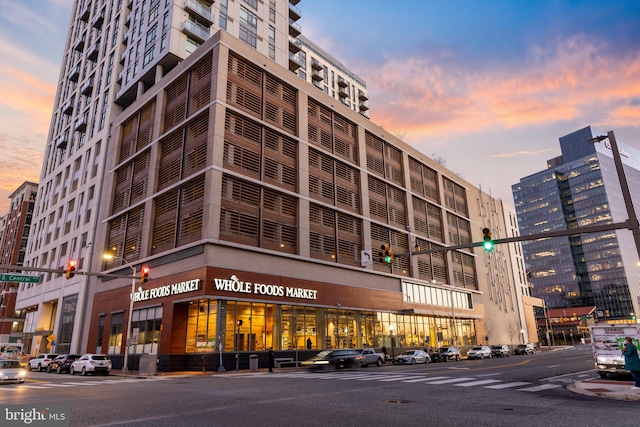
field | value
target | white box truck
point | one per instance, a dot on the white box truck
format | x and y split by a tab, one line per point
607	342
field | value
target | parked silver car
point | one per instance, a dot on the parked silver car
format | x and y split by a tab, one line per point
479	352
524	349
500	350
412	357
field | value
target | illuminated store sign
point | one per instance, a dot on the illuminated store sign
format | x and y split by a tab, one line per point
235	285
167	290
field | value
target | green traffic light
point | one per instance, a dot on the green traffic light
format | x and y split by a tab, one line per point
388	259
488	245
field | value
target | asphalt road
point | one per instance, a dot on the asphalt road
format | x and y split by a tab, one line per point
516	391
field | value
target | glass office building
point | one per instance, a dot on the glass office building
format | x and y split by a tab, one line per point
581	188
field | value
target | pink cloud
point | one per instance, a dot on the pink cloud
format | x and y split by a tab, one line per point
421	98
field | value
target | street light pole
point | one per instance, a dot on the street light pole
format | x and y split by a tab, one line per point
125	365
453	319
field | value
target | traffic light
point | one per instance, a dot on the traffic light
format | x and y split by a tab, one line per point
144	274
71	268
386	254
487	241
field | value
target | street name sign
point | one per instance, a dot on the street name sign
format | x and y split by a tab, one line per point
19	278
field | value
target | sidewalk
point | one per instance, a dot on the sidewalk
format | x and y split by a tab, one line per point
610	389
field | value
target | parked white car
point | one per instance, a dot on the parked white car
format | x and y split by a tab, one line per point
413	356
91	364
479	352
41	361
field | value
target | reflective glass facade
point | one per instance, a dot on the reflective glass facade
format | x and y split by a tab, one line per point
580	190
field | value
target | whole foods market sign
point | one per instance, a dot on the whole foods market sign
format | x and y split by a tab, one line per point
233	284
166	290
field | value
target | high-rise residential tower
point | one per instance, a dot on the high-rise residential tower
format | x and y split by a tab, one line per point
115	51
578	189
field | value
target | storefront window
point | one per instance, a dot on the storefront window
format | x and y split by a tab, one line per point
147	322
289	327
201	326
115	334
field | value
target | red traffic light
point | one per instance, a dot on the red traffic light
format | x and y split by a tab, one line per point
144	274
71	268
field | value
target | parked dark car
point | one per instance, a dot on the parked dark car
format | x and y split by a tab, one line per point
445	354
500	350
336	359
62	363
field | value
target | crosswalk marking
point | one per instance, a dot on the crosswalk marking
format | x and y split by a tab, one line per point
540	387
45	385
475	383
494	384
399	378
506	385
423	379
451	380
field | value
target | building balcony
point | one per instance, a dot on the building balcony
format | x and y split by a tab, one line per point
295	45
81	124
74	74
67	108
209	2
294	12
343	92
125	38
62	140
87	88
84	14
316	65
364	106
317	75
194	30
123	56
363	96
79	44
318	84
201	13
97	20
294	62
93	52
294	29
121	76
129	4
127	20
294	1
342	82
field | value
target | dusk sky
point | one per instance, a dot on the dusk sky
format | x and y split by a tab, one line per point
489	86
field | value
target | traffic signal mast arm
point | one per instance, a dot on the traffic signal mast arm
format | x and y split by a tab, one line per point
537	236
23	268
